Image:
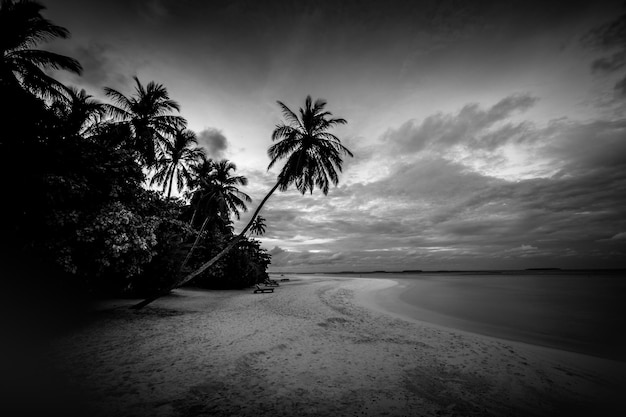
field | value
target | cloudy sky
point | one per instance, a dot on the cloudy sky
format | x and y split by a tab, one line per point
486	134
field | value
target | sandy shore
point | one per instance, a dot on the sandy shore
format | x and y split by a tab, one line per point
316	346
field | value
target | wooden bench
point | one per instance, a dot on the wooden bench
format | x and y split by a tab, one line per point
263	289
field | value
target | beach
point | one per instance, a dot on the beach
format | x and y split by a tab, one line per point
316	346
576	311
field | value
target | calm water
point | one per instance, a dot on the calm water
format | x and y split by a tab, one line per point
577	311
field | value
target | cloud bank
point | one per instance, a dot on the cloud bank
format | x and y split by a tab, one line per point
438	208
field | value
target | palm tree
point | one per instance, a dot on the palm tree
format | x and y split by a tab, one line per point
22	27
198	180
258	226
226	192
313	159
176	159
313	154
81	114
215	192
149	114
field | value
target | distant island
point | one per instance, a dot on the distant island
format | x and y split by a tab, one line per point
458	271
543	269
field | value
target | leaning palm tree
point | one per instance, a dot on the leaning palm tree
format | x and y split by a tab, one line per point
22	27
313	156
149	115
176	159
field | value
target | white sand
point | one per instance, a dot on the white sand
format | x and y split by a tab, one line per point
316	346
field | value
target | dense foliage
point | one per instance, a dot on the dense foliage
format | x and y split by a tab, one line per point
79	215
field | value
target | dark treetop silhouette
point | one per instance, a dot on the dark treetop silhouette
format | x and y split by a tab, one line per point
225	191
21	28
214	191
313	158
175	160
149	115
81	114
258	226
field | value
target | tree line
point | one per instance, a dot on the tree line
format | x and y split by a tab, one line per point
79	178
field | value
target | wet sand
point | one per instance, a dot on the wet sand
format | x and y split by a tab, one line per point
316	346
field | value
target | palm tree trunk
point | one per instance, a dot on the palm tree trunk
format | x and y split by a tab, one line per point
195	243
195	211
193	216
169	191
208	264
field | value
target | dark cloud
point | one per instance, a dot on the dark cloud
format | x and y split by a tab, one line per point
583	202
613	63
471	125
103	66
607	35
579	147
620	87
610	36
100	67
214	141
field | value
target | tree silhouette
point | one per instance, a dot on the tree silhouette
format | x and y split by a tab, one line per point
176	159
199	180
216	195
225	190
313	158
149	115
81	114
22	27
258	226
215	192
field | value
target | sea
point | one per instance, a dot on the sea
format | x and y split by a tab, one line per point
578	311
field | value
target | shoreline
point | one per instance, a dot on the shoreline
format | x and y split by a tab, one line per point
390	299
393	306
310	348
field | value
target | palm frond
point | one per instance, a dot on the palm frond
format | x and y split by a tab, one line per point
291	117
120	99
38	82
312	154
117	113
48	60
22	25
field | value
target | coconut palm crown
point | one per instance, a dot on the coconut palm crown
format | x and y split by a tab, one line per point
214	191
176	159
149	114
81	114
258	226
22	27
313	154
227	192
